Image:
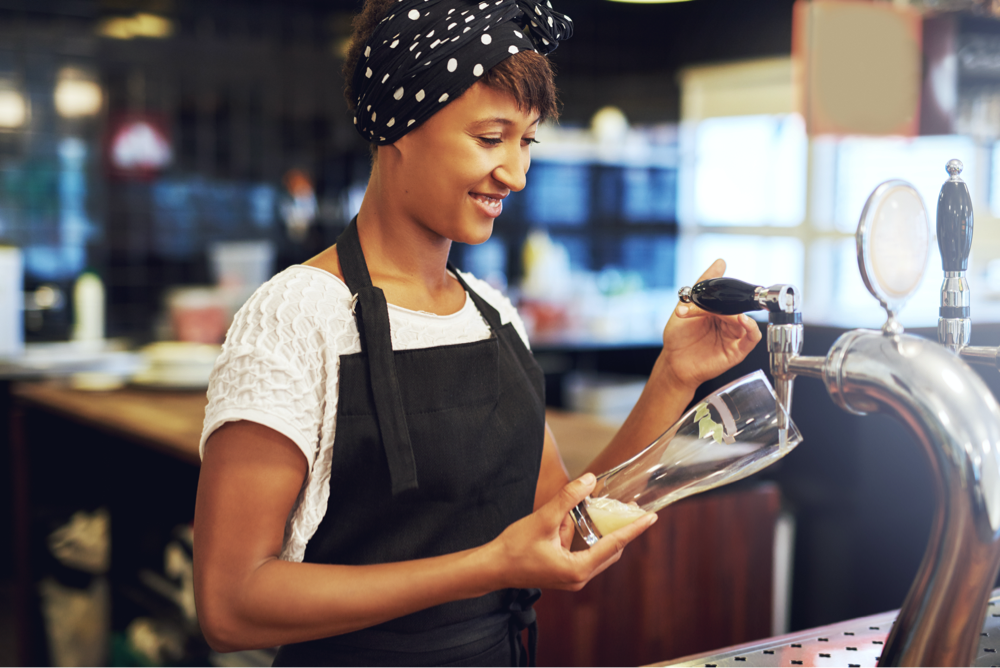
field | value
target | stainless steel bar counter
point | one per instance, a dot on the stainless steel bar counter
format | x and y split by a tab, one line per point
856	642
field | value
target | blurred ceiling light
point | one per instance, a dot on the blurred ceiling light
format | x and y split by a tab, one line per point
609	125
140	25
13	109
76	94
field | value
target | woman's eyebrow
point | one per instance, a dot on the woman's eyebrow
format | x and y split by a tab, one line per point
499	120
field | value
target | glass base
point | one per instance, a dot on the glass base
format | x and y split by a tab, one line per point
584	525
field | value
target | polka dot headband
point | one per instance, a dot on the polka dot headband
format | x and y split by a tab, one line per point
428	52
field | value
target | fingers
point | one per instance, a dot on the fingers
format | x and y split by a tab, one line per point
753	332
568	497
606	551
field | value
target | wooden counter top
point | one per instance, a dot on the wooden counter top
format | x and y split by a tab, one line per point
171	422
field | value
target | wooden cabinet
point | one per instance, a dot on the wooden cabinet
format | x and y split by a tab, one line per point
699	579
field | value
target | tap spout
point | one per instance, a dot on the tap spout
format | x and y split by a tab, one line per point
983	355
784	345
956	419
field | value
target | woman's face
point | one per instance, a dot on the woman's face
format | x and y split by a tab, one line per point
451	174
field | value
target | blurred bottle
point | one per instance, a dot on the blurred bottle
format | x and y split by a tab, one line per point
11	301
298	208
88	309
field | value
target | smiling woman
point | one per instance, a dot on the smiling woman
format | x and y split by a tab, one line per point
378	484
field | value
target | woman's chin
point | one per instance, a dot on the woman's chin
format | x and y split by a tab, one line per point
477	233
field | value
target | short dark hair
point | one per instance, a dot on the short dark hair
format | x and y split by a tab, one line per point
527	76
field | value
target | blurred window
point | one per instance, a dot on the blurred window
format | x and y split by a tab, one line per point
578	248
865	162
762	260
750	171
649	194
838	295
995	180
559	194
651	257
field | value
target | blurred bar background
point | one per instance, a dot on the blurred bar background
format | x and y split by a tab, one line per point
184	151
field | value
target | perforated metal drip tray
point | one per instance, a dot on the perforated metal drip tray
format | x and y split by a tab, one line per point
857	642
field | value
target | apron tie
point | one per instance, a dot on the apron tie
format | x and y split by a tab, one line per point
522	616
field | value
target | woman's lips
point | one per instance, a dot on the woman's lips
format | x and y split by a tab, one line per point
491	205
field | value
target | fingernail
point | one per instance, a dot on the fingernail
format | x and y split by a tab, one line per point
683	309
653	521
588	478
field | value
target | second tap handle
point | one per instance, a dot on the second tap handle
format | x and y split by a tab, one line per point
954	220
725	296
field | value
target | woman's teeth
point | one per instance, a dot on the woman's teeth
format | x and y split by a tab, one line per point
492	202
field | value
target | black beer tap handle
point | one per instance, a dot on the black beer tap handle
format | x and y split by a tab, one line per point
725	296
954	220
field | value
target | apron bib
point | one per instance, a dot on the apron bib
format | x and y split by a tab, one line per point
437	450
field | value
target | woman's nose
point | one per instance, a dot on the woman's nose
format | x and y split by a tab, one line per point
512	172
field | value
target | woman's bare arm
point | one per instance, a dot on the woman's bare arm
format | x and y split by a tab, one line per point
697	346
552	475
248	598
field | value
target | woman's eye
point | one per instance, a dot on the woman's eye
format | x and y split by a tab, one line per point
528	141
492	141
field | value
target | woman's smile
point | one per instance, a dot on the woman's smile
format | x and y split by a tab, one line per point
489	203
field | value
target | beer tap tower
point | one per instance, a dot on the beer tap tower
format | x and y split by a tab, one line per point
926	387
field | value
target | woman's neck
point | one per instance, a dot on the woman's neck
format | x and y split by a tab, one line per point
396	246
407	260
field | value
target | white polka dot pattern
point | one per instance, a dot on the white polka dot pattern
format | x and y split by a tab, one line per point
491	31
280	367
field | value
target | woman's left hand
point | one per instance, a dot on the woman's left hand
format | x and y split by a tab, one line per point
698	346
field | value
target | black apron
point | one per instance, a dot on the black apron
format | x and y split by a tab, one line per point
437	450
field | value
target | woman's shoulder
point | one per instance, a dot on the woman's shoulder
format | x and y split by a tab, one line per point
301	289
304	283
292	303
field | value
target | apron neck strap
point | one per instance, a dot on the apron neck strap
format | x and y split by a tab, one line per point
485	308
373	327
352	259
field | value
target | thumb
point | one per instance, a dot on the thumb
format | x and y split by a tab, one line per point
569	496
715	270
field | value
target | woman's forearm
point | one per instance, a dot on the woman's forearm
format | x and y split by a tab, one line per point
282	602
662	402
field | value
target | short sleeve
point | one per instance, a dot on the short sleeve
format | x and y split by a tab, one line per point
271	370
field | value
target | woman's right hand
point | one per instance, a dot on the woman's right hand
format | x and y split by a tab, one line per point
535	551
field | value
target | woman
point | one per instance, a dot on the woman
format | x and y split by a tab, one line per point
378	485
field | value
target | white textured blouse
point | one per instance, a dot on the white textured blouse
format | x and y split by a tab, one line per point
280	366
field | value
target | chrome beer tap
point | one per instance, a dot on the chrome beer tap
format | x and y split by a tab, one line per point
729	296
938	398
955	222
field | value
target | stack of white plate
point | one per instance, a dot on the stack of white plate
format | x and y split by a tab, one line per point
177	365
